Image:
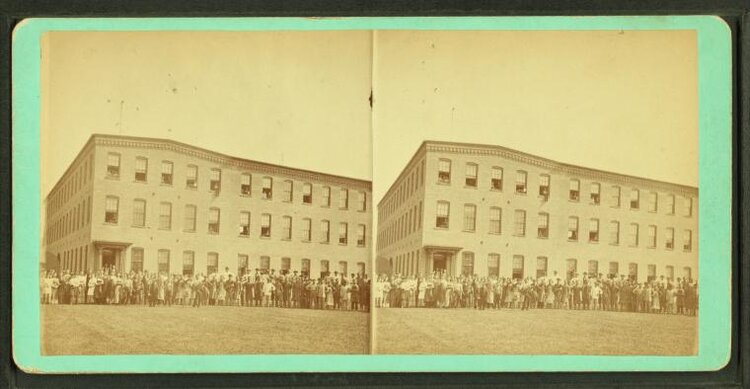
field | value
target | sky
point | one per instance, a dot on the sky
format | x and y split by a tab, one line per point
622	101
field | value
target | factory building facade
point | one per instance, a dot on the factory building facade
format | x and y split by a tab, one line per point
492	211
137	204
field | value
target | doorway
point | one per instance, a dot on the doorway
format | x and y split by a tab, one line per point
109	259
439	262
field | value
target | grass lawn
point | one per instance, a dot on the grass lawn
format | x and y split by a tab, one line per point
101	329
468	331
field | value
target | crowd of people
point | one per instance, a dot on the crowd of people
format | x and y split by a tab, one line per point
584	292
333	291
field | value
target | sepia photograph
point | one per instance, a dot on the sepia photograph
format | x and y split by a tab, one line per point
536	192
205	193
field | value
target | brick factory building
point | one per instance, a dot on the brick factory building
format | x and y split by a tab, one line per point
155	204
489	210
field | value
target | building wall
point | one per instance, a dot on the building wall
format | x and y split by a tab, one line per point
557	248
228	243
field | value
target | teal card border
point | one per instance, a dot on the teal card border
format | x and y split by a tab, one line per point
715	185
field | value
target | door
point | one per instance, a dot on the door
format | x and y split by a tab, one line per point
439	262
109	259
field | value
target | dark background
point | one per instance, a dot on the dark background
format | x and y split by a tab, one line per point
734	12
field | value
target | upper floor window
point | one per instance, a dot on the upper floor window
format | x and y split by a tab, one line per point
163	261
361	235
191	179
267	191
573	228
244	223
113	165
651	236
470	217
467	263
246	181
496	214
362	201
444	171
286	227
141	169
344	198
165	216
594	230
543	227
575	190
136	260
212	263
595	194
139	213
615	199
326	196
633	238
442	214
289	191
111	209
635	199
306	229
687	240
471	174
343	233
214	219
265	225
325	231
688	204
166	172
190	213
669	238
215	180
307	193
544	185
670	204
519	223
497	178
521	181
493	265
188	263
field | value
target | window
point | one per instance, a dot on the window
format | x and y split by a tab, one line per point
688	205
265	264
653	199
633	235
326	196
443	214
163	261
497	178
593	267
467	263
541	267
136	260
191	180
687	240
444	171
544	185
244	223
305	267
141	169
286	228
615	199
306	229
360	268
212	263
246	182
166	172
188	263
571	268
614	269
669	238
651	272
307	193
190	212
111	209
614	232
343	267
518	266
543	226
288	191
214	220
139	213
493	265
669	272
344	198
165	216
651	236
325	229
471	175
687	272
496	215
521	181
265	225
243	265
575	190
113	165
594	230
670	204
635	199
633	271
343	233
324	266
361	235
573	228
595	193
215	180
470	217
519	223
362	202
